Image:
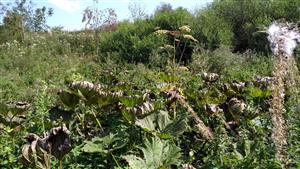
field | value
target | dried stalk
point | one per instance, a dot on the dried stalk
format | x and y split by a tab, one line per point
200	127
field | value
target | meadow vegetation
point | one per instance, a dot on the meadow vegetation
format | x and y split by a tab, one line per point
172	90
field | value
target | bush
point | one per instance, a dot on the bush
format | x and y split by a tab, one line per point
135	42
239	66
234	23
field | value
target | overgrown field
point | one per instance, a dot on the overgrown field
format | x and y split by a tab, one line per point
175	90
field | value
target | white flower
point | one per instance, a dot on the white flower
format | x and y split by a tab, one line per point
284	38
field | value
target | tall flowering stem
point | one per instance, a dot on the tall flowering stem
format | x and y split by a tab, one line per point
283	38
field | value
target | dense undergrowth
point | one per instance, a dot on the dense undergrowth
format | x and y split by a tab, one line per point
136	103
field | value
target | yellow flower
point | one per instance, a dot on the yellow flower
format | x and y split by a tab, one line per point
185	29
190	37
168	47
183	68
161	32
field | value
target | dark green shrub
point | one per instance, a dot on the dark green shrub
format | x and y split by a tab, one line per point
239	66
235	23
135	42
172	20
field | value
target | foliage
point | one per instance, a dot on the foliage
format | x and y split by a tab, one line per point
137	42
157	154
235	23
22	16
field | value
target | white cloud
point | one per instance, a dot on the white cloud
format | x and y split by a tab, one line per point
67	5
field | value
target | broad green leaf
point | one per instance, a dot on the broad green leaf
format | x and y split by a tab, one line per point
128	116
161	124
105	144
157	154
94	146
175	128
163	119
255	92
147	122
131	101
136	162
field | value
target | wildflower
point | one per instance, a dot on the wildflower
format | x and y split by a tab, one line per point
7	44
161	32
168	47
185	29
183	68
210	77
188	166
190	37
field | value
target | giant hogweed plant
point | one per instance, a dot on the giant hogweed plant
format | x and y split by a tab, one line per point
119	124
182	43
159	124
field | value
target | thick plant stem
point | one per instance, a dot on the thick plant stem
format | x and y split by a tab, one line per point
277	108
287	78
199	124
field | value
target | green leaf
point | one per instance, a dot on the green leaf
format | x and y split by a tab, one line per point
105	144
3	108
131	101
136	162
147	122
163	119
157	154
94	146
176	127
161	123
128	116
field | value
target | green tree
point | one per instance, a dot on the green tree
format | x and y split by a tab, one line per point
235	23
21	16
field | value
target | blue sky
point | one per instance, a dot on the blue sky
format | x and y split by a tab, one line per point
68	13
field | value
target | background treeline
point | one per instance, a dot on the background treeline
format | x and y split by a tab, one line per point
236	24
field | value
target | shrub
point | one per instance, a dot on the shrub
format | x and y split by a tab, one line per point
234	23
135	42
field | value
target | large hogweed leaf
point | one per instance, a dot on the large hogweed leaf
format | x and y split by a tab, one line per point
157	154
104	144
162	125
